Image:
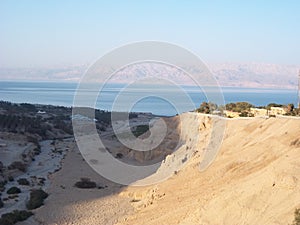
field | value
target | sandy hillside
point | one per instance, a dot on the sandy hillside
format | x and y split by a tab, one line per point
255	179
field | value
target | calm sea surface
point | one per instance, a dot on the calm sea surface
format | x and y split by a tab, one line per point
63	94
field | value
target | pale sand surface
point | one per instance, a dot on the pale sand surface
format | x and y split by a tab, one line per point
67	204
255	179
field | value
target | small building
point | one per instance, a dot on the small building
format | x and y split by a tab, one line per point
2	145
231	114
259	112
277	111
41	112
79	117
217	112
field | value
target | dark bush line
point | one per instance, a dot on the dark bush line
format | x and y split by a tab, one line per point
244	107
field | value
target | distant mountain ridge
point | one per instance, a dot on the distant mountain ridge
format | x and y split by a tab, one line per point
254	75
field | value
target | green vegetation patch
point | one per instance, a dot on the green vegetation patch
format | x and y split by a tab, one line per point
140	129
13	190
239	106
36	199
14	217
17	165
23	181
2	185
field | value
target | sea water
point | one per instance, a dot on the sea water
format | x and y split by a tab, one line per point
62	94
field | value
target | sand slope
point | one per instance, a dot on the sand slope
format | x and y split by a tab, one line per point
255	179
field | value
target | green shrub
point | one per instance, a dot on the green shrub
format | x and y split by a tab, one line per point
207	107
119	155
13	190
238	106
33	139
37	151
297	217
273	105
10	178
17	165
140	129
1	166
23	181
2	185
36	199
13	196
14	217
85	183
246	114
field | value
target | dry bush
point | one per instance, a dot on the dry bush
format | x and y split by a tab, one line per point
85	183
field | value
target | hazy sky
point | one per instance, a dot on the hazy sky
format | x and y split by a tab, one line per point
54	33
